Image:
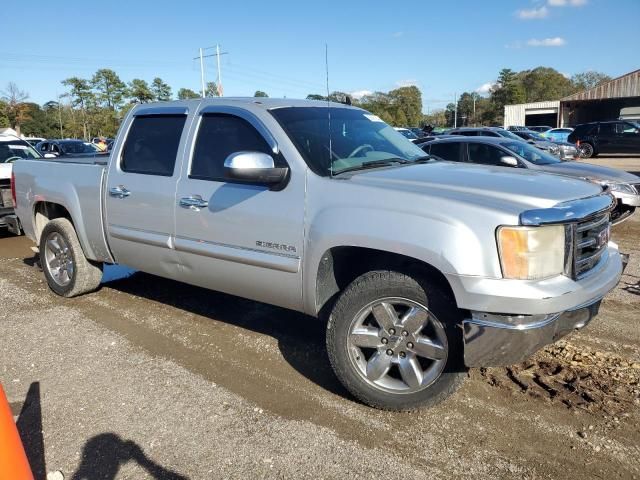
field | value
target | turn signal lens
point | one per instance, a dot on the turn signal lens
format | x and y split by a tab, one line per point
531	253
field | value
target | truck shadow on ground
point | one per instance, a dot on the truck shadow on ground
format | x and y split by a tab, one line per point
104	454
301	338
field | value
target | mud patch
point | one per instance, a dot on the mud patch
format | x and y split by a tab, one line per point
580	378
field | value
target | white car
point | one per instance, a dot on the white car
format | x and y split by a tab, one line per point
12	148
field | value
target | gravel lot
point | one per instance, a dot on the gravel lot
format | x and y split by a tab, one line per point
148	378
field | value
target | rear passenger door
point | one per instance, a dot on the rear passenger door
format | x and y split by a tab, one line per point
608	141
140	190
242	239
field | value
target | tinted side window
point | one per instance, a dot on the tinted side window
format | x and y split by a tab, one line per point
489	133
607	129
219	136
152	144
447	151
485	154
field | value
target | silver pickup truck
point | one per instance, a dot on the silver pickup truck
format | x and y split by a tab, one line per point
420	268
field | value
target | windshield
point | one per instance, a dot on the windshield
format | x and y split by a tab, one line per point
357	138
531	153
78	147
507	134
16	150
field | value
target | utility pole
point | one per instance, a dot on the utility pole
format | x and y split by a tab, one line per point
219	84
202	73
474	110
60	116
202	57
455	110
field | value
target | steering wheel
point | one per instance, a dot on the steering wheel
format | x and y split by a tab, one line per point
12	159
361	149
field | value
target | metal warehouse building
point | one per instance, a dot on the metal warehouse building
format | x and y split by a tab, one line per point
603	102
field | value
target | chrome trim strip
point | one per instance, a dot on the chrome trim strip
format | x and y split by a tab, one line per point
156	239
572	211
249	117
494	320
234	253
168	110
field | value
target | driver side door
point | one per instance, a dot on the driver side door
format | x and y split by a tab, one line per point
243	239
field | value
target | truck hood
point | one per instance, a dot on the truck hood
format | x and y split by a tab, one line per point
5	171
509	189
593	172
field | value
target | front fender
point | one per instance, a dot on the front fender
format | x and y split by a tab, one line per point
450	246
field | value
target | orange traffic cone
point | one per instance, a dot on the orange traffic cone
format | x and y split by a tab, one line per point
13	461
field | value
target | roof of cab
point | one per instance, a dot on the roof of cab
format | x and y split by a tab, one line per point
267	103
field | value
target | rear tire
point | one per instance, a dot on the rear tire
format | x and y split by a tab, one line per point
67	270
394	341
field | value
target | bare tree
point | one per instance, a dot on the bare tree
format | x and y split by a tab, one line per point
16	108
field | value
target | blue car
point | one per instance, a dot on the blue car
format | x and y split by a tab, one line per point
557	134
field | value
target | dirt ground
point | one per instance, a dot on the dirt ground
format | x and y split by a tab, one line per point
149	378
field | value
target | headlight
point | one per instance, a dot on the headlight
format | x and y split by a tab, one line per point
531	253
615	187
554	150
622	188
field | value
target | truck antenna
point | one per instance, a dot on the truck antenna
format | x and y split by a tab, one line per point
326	67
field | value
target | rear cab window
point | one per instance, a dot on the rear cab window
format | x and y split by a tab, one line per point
152	144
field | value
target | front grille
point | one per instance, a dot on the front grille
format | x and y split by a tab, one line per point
590	240
637	187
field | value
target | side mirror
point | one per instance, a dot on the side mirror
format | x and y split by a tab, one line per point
254	167
509	161
49	155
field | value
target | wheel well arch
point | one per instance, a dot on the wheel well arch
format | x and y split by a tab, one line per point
340	265
44	212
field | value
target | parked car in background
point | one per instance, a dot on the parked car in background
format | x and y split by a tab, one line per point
516	128
405	132
68	148
616	136
562	150
484	131
540	128
507	153
11	149
421	268
418	132
558	134
33	141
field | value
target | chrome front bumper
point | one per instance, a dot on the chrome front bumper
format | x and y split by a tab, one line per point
493	340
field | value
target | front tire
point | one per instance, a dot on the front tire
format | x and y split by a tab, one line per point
66	269
394	341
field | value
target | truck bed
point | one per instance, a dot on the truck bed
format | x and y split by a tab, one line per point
76	184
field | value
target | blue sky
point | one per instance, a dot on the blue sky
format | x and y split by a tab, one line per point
444	47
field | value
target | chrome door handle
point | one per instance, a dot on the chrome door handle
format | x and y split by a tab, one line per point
194	202
119	192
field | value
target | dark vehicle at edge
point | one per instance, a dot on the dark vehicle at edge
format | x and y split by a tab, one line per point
616	136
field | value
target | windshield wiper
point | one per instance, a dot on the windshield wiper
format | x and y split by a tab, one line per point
388	162
424	159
